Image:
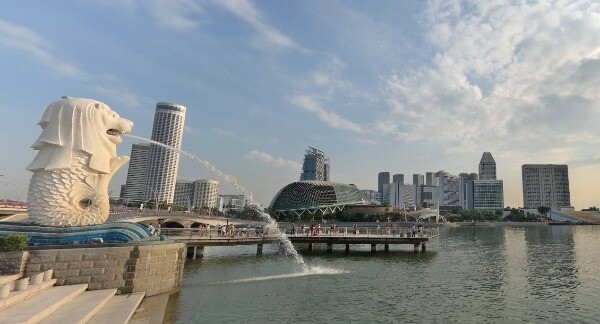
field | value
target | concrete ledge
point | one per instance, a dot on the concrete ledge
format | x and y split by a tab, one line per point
118	310
41	305
82	308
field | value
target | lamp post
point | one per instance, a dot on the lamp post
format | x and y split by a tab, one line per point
156	197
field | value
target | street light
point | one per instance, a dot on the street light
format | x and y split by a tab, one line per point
156	194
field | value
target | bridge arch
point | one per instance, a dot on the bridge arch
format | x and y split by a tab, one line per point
172	224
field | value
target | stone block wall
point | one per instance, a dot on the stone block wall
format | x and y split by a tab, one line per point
155	268
13	262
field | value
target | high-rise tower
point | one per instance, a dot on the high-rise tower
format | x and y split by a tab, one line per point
546	185
315	166
137	172
398	178
163	163
383	178
487	167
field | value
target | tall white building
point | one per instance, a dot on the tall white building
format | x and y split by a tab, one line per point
163	163
546	185
137	172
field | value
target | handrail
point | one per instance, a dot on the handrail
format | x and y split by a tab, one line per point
215	233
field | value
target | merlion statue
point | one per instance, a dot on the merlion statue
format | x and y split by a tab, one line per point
77	157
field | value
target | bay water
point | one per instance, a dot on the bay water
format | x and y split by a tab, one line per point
495	274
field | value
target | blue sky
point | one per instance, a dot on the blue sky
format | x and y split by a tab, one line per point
400	86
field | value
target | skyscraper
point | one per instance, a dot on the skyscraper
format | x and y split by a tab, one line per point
137	172
163	163
546	185
487	167
315	166
430	179
383	178
398	178
465	181
418	179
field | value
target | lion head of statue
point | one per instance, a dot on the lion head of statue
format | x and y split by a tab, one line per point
78	124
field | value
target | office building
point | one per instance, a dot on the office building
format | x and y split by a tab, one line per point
487	167
431	179
168	124
137	173
401	196
315	166
546	185
206	192
383	178
486	195
448	189
184	194
398	178
418	179
466	196
199	193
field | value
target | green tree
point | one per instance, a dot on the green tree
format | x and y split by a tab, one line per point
543	210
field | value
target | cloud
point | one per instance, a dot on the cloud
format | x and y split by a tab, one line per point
27	41
505	76
332	119
269	159
269	36
223	132
177	14
124	98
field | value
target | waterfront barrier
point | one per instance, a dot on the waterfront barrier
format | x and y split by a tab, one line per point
197	238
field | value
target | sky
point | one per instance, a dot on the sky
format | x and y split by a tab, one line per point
399	86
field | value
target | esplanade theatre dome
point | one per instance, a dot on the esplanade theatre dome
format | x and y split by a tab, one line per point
312	196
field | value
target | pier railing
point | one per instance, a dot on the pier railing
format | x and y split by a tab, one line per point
299	232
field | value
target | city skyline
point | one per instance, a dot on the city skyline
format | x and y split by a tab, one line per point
409	87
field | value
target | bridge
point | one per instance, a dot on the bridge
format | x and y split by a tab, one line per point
9	209
197	238
174	219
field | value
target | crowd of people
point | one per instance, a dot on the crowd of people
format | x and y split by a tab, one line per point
231	231
332	229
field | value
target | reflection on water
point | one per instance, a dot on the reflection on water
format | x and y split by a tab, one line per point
472	274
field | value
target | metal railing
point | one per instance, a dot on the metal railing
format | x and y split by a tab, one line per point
364	232
215	233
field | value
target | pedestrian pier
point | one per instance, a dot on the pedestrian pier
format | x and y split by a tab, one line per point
196	239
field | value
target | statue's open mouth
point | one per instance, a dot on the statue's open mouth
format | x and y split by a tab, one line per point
114	132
